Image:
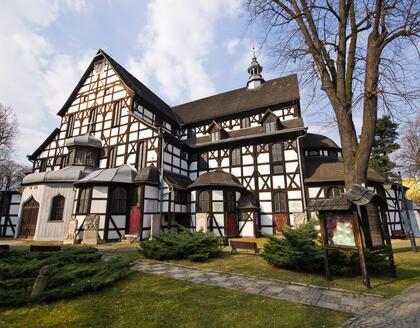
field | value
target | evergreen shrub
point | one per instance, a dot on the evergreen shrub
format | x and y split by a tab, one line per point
195	246
300	249
73	271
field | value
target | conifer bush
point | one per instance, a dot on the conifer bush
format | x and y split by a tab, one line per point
73	271
298	250
195	246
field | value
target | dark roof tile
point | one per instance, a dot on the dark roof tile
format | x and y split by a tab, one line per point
277	91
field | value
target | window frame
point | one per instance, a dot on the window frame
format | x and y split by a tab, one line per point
206	202
111	157
280	204
83	204
92	120
118	205
70	125
276	153
270	126
57	210
116	113
236	159
245	122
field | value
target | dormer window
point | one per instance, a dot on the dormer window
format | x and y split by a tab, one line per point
215	136
216	131
270	121
270	126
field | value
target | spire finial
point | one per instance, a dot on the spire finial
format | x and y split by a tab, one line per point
254	70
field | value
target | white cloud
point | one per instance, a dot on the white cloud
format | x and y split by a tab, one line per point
176	43
27	67
231	45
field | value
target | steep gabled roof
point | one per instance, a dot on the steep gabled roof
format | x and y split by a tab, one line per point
41	148
156	105
277	91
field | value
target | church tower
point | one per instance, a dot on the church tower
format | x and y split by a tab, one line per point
255	79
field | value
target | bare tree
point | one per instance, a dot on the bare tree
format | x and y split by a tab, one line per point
356	52
8	128
409	154
12	173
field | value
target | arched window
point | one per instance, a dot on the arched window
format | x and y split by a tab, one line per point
57	208
118	201
203	201
116	115
92	120
83	205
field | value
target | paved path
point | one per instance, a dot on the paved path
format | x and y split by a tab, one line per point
402	311
332	299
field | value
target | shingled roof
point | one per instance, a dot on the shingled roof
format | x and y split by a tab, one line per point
277	91
318	141
317	170
217	179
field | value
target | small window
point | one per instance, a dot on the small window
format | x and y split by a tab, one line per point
70	126
215	136
203	162
83	206
191	133
116	116
229	198
99	66
119	201
57	208
236	156
313	153
277	152
108	90
92	120
245	122
278	169
85	98
203	202
270	126
43	165
335	192
332	153
112	157
279	201
141	155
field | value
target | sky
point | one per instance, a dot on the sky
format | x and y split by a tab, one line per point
181	49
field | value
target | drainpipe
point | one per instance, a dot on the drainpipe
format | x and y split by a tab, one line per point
301	169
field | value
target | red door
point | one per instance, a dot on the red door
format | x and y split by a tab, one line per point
280	220
29	219
135	221
231	224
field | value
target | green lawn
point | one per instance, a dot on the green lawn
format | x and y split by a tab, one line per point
152	301
408	271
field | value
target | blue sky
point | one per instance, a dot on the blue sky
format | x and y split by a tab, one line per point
181	49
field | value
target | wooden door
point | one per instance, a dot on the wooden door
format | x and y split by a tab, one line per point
231	224
135	221
29	219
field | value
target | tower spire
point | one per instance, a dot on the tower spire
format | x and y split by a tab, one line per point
255	79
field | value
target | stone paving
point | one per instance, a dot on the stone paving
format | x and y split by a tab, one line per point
332	299
402	311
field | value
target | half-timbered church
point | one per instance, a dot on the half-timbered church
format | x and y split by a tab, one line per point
239	163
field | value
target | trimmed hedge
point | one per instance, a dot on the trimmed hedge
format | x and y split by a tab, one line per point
195	246
73	271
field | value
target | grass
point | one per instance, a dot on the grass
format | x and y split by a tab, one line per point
408	271
151	301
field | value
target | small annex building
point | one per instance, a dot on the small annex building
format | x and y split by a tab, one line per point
238	163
